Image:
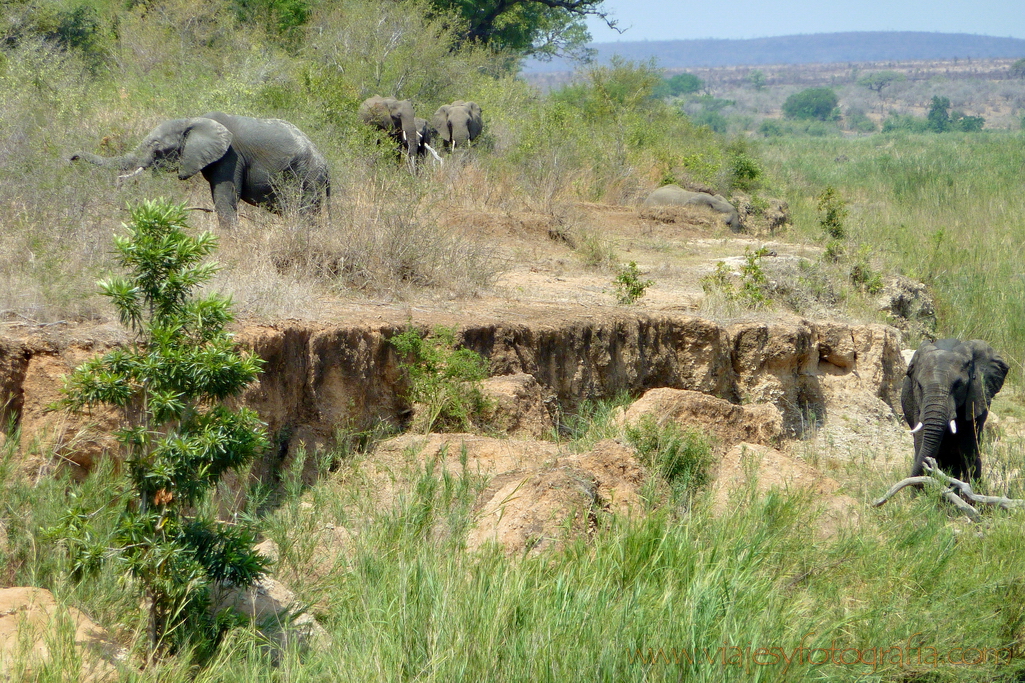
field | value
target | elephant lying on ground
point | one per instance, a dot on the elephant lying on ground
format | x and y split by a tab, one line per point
396	118
945	398
241	157
674	195
458	123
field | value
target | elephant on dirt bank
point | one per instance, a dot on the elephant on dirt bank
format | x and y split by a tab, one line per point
945	398
458	123
396	118
242	158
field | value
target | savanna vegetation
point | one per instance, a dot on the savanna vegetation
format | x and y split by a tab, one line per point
678	593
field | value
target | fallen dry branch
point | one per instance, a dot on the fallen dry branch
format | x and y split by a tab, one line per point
953	490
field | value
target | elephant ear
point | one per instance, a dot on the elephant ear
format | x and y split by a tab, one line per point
206	141
988	373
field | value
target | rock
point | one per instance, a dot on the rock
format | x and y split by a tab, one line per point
773	469
28	619
767	217
909	306
534	511
674	195
728	423
276	611
519	406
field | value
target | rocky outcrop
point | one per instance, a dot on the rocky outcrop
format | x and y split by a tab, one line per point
319	378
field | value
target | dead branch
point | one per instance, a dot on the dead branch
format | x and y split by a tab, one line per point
953	490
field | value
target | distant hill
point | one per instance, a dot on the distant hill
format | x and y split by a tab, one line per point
820	48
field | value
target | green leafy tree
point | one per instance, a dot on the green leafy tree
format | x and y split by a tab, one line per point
680	84
939	114
814	103
757	79
178	436
539	28
879	80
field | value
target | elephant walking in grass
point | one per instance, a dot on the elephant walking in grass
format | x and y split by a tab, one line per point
458	124
255	160
397	119
945	398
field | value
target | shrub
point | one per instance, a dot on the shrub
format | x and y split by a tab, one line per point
812	104
178	436
443	379
629	285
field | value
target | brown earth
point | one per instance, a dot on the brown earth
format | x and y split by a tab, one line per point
554	336
30	618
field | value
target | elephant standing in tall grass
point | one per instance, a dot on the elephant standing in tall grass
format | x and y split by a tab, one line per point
945	398
397	119
459	123
254	160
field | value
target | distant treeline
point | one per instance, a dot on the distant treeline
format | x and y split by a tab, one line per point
822	48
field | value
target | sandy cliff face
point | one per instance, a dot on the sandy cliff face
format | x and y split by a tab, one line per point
318	378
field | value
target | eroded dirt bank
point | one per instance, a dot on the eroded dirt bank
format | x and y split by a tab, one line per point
320	377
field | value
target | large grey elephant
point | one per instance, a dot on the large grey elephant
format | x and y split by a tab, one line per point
396	118
241	157
945	398
674	195
458	123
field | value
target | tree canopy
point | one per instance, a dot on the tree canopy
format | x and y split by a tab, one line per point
880	79
813	103
540	28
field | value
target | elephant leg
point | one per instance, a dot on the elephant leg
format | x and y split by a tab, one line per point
224	190
225	196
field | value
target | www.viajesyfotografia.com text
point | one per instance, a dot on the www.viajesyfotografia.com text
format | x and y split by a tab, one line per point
911	653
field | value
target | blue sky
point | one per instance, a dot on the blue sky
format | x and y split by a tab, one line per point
678	20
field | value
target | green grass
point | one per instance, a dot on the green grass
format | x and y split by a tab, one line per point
947	210
404	601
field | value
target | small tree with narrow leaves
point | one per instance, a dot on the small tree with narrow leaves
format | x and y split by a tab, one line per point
178	436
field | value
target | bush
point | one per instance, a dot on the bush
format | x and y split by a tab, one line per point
443	379
629	285
818	104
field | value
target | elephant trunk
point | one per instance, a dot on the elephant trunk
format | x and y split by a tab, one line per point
936	415
460	133
128	162
412	137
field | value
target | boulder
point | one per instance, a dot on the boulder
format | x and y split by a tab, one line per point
727	422
518	406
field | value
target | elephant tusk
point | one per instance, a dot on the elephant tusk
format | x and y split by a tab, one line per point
436	155
128	175
917	428
953	427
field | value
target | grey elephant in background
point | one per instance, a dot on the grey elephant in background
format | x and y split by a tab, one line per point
459	123
945	398
674	195
241	157
397	119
